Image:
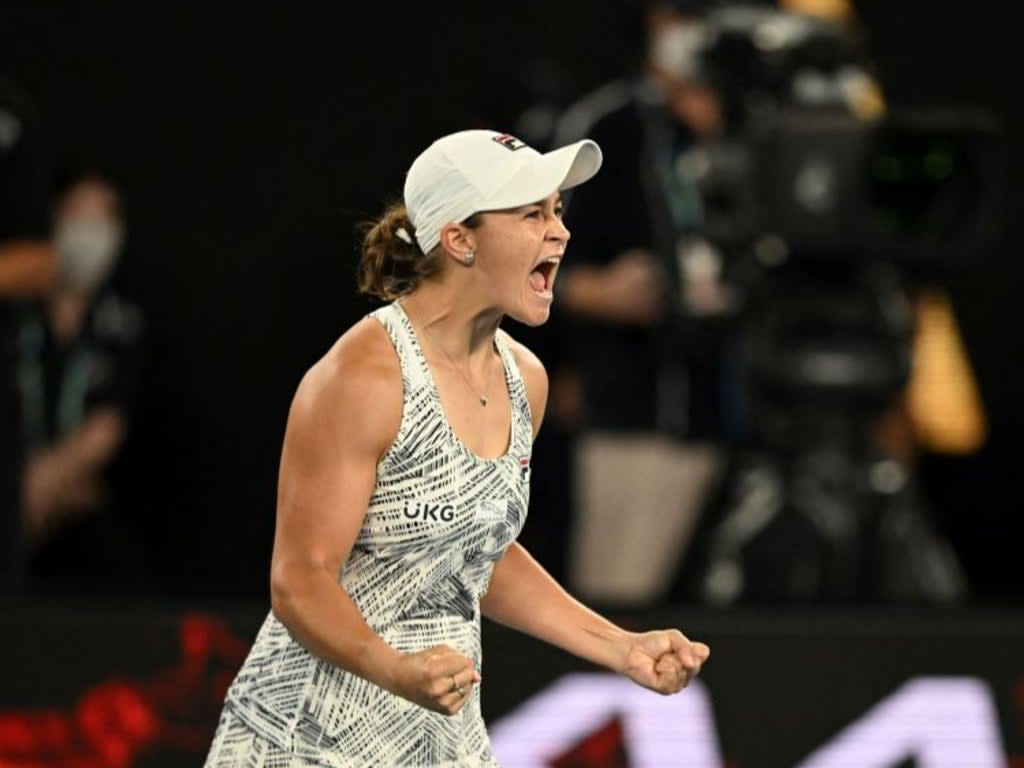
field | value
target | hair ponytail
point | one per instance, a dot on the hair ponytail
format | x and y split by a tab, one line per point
391	264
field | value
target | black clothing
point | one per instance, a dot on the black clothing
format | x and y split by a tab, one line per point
637	379
24	169
11	562
60	386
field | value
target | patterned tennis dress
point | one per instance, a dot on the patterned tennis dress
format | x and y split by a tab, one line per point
438	520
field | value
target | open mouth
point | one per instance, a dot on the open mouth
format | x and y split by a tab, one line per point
542	278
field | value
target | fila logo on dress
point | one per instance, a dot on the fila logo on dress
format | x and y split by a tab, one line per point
524	467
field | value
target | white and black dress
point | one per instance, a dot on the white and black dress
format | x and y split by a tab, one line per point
439	518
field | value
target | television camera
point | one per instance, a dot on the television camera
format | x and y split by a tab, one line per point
823	211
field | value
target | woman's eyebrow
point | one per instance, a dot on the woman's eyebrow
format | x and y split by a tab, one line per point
557	202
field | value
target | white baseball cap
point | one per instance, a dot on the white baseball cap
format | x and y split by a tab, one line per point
479	170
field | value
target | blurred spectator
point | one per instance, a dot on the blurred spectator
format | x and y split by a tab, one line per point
78	364
655	407
27	268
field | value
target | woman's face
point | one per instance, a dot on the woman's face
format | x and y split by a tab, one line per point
518	253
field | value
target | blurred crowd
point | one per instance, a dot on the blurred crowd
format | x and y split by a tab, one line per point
683	464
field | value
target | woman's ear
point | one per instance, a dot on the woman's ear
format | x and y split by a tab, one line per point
459	242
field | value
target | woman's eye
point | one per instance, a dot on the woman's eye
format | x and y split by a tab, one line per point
533	214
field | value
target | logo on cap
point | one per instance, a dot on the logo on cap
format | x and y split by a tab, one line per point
509	142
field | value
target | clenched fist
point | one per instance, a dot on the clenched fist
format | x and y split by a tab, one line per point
439	678
663	660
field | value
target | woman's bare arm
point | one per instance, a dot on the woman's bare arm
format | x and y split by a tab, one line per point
345	415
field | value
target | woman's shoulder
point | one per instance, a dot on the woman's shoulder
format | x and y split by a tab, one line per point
529	363
365	346
360	367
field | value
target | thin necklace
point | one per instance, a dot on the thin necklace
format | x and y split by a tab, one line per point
481	395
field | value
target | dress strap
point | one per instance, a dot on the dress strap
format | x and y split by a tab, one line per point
517	391
415	374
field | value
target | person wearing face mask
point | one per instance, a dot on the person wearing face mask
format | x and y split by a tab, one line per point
78	362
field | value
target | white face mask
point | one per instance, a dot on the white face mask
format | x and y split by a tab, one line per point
675	49
87	249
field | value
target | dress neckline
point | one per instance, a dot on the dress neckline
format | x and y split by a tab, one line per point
436	393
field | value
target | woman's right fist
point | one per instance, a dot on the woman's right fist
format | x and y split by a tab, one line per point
439	678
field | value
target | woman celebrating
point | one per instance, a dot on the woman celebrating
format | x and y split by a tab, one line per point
404	482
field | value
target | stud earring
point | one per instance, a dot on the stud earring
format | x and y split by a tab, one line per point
469	258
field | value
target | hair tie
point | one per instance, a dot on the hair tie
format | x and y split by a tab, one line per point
403	235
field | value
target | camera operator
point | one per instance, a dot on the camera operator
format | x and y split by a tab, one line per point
655	412
746	288
27	269
843	220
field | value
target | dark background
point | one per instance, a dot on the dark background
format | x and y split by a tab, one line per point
250	143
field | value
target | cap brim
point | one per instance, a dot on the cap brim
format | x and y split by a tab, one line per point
559	169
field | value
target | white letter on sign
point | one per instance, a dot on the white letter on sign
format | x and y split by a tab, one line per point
940	722
660	731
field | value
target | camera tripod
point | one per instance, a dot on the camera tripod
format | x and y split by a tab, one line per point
813	508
